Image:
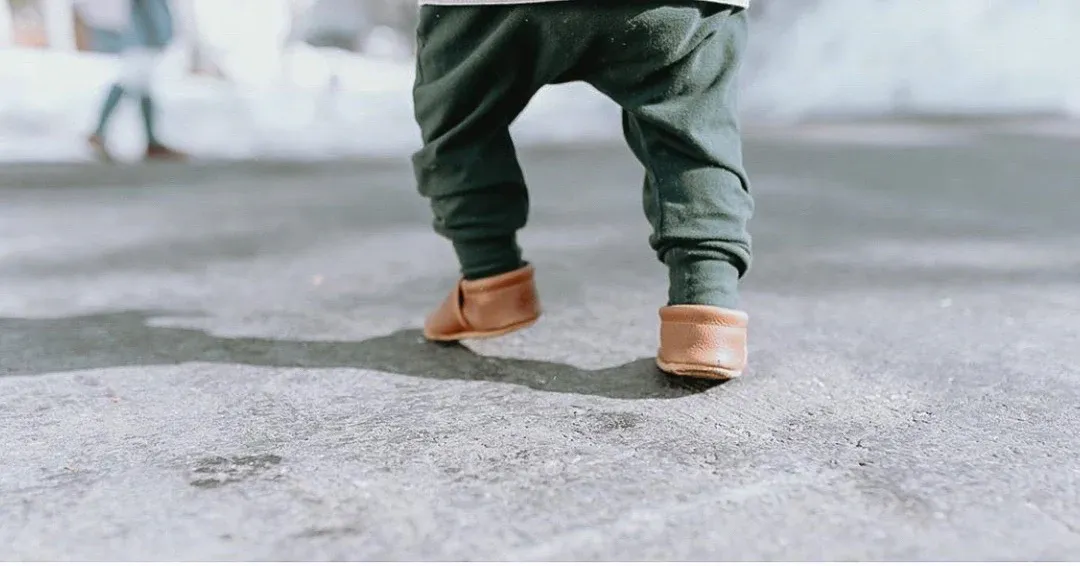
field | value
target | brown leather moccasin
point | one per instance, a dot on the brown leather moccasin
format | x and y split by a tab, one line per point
486	308
702	341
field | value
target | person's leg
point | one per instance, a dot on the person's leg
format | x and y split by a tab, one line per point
146	108
473	78
112	102
136	79
677	85
97	141
154	148
477	69
137	67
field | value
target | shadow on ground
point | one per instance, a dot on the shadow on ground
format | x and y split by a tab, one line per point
37	346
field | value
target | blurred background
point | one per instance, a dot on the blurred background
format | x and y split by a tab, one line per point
313	79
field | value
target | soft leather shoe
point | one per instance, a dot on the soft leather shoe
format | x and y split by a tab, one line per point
702	341
486	308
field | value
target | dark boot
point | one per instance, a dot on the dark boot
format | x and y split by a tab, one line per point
160	152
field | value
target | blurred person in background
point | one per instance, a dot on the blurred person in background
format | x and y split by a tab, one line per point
672	65
144	28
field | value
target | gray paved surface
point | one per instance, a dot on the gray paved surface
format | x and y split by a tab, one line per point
221	362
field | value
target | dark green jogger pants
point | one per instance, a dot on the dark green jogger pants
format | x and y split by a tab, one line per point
672	67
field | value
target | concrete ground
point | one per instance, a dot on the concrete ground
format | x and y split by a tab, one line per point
221	361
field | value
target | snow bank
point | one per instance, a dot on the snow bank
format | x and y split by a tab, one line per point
49	101
886	56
